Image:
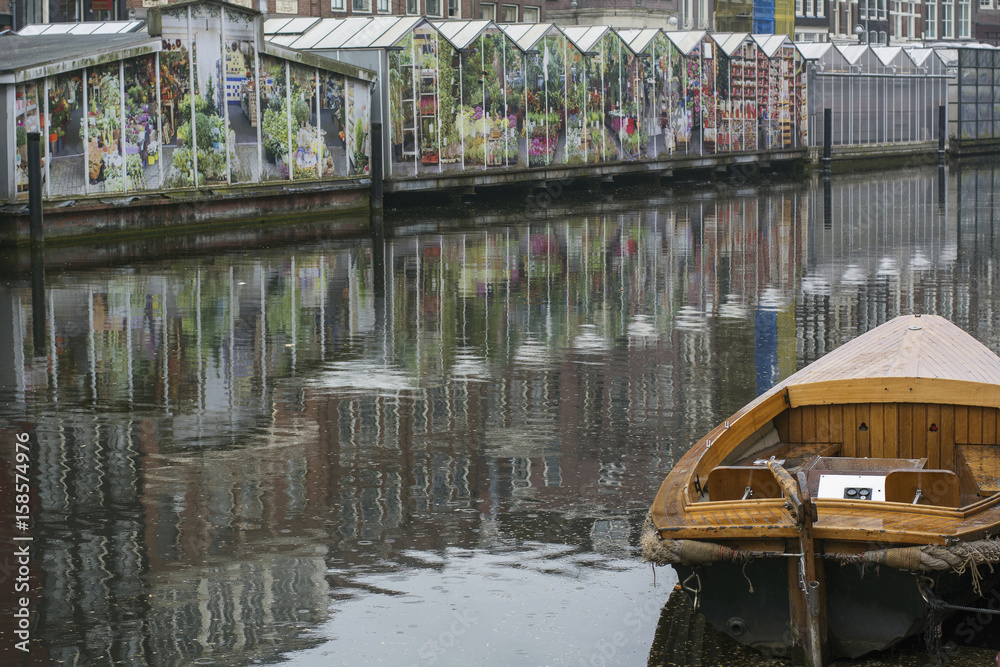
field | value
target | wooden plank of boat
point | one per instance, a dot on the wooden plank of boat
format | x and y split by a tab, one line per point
914	392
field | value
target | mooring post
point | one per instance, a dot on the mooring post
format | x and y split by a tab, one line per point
376	194
827	138
942	131
35	186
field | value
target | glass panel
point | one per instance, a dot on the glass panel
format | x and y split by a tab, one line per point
985	92
969	130
967	57
985	58
106	164
28	120
985	112
332	123
968	112
985	130
274	123
175	71
985	76
308	145
241	99
142	125
66	168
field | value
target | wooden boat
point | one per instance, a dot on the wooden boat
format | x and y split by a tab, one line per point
849	507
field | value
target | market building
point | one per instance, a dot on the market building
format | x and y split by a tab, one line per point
193	100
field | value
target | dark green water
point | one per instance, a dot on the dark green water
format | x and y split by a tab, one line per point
437	449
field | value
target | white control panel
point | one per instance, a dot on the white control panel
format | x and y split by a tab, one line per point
852	487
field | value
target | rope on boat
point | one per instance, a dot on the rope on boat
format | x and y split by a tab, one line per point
959	558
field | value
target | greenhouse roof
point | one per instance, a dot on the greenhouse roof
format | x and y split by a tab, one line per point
584	38
813	50
852	53
462	33
935	60
892	55
311	59
27	57
85	28
289	26
319	31
638	39
686	41
771	44
730	41
527	35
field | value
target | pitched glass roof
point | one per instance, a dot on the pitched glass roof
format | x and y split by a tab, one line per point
729	41
397	31
687	40
638	39
584	38
527	35
85	28
771	44
813	50
461	33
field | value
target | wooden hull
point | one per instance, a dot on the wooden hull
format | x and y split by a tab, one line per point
885	451
866	611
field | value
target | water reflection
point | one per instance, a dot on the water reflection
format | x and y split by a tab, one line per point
277	453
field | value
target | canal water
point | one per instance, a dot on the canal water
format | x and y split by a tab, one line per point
438	448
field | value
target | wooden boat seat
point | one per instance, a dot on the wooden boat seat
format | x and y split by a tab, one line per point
730	483
935	487
978	468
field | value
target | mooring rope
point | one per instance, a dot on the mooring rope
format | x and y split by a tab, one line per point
959	558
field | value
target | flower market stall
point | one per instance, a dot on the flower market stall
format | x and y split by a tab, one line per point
603	71
686	90
779	101
480	131
641	78
737	85
528	87
192	99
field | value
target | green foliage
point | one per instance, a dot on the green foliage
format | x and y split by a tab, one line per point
210	97
200	104
274	132
360	156
300	113
22	136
